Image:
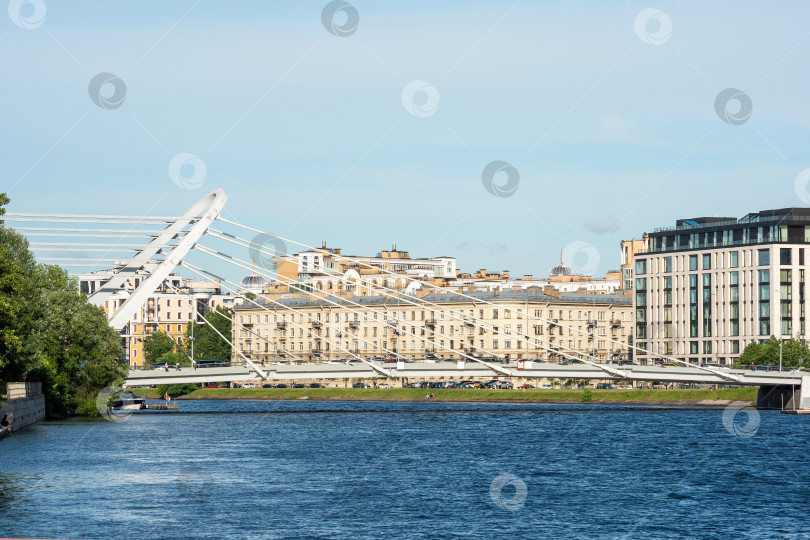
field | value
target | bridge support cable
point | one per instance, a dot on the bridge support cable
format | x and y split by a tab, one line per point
83	220
89	216
199	217
243	264
726	376
128	247
459	316
78	250
75	232
375	367
261	373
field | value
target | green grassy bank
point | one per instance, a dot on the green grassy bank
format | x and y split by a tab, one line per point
659	397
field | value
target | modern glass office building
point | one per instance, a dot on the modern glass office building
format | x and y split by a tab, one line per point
707	287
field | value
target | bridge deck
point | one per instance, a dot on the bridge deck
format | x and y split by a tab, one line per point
465	370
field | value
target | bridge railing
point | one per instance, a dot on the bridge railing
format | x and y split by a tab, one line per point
173	367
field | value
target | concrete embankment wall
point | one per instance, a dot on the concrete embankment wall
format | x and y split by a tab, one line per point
25	406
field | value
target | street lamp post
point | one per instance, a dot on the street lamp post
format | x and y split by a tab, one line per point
781	332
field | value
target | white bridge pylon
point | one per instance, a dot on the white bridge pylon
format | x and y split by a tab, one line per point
202	214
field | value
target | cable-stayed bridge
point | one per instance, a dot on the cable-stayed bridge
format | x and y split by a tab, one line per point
166	243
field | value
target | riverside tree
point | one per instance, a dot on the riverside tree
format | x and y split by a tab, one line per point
156	345
50	333
793	352
207	343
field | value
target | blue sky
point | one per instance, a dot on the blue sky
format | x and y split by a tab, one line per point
307	131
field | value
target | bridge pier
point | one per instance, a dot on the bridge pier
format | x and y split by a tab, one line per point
783	396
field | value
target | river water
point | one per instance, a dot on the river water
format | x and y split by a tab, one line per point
314	469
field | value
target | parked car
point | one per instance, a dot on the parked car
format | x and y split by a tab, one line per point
527	386
627	363
214	386
281	385
359	385
298	385
316	385
604	386
267	386
383	386
249	386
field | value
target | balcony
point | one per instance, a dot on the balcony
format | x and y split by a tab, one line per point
316	325
281	324
430	323
615	323
354	324
592	324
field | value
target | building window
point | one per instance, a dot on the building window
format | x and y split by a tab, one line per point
785	256
735	346
735	259
707	347
764	257
667	265
641	267
693	262
707	261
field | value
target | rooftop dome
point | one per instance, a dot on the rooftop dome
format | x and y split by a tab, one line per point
253	282
561	269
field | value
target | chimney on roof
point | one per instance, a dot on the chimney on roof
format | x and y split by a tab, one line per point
323	244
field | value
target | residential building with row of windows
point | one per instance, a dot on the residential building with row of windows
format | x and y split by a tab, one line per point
506	324
169	309
326	271
707	287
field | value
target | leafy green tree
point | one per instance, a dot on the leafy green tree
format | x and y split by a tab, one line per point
173	358
207	343
793	352
82	354
49	333
156	345
175	390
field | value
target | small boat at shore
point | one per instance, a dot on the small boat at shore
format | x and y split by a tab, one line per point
129	402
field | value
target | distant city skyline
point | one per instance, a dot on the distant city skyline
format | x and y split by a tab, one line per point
496	133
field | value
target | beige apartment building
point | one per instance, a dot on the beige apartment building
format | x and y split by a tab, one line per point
505	324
